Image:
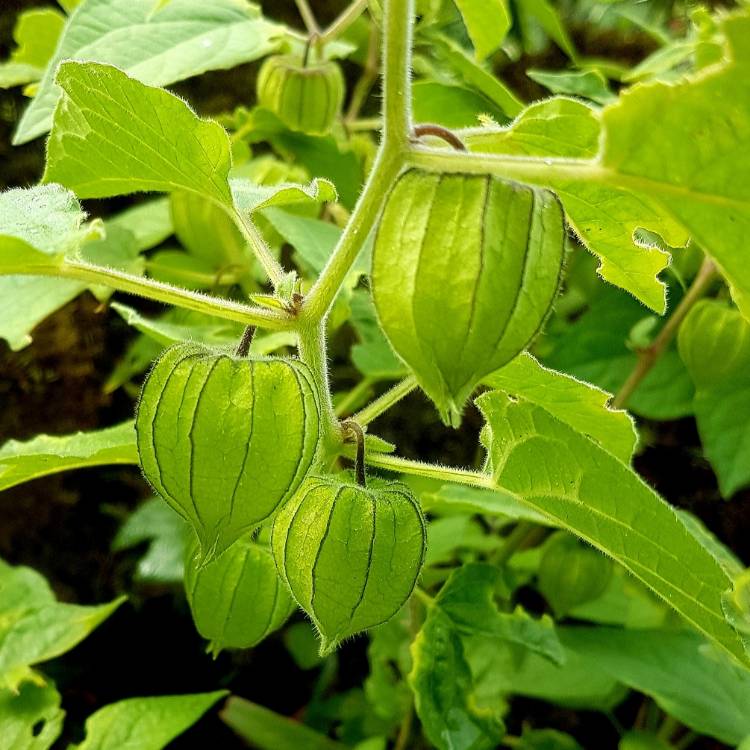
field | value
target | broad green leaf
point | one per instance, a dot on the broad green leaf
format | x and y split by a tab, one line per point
443	685
267	730
113	135
556	127
698	686
579	404
34	627
593	348
450	105
446	536
250	196
696	164
589	84
145	723
186	38
474	75
547	739
487	22
36	33
49	454
467	601
38	226
589	492
167	534
714	342
30	719
500	670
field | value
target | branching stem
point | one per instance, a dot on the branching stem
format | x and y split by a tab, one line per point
381	404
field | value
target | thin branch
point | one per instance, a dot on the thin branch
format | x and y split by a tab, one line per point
366	81
649	356
381	404
396	71
355	396
347	17
167	293
308	17
254	238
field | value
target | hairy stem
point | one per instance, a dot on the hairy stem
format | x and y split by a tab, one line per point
420	469
366	81
254	238
167	293
373	410
396	72
352	428
649	356
355	396
243	348
346	18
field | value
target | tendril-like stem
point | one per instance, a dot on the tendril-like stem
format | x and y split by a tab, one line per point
439	132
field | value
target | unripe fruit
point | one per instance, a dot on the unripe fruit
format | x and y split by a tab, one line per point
572	573
305	97
464	272
225	440
238	599
351	555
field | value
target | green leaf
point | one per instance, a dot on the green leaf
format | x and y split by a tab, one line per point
556	127
549	19
462	499
145	723
267	730
467	601
698	686
34	627
30	719
48	454
149	222
589	84
578	404
167	536
450	105
250	196
442	683
36	33
487	22
547	739
186	38
589	492
641	740
714	342
113	135
373	355
696	164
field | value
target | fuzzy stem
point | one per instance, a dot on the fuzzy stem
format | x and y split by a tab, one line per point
345	19
308	17
254	238
243	348
353	428
373	410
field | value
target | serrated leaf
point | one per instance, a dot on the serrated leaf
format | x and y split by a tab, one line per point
699	687
47	454
145	723
186	38
587	491
487	22
112	135
34	627
579	404
30	719
714	343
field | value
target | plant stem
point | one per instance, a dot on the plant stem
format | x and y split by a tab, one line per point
312	351
373	410
171	295
254	238
404	732
366	81
353	428
345	19
396	73
355	396
243	348
648	356
524	534
308	17
421	469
